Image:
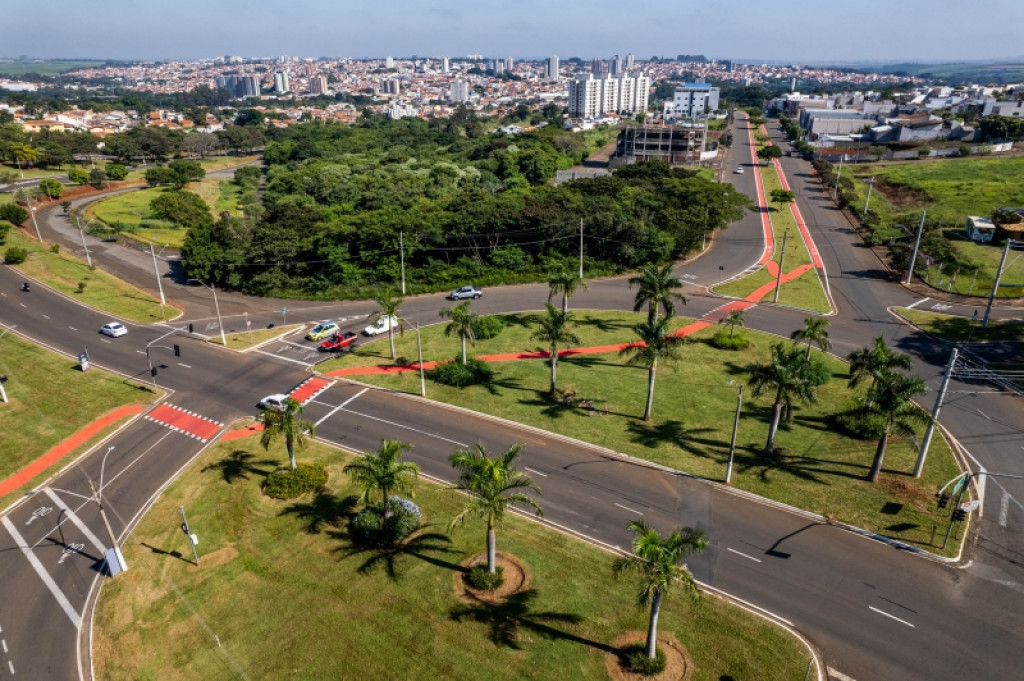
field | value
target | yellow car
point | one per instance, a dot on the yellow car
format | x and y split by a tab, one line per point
321	331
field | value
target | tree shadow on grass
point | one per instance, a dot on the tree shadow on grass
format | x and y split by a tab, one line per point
323	509
422	545
605	325
238	465
675	433
809	468
508	618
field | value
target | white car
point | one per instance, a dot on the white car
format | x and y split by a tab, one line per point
113	329
738	171
382	325
276	402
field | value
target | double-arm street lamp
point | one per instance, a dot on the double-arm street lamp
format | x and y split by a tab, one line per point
115	561
220	322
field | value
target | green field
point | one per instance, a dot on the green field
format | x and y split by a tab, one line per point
694	405
962	329
282	592
48	67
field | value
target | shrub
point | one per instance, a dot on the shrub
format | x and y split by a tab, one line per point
78	176
638	662
285	483
97	177
857	424
116	171
487	326
55	248
480	578
4	228
13	213
459	375
372	527
51	187
722	341
81	286
15	255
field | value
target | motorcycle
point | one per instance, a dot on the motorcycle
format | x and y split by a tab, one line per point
24	287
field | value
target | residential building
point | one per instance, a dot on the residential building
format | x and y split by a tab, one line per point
509	64
598	67
674	144
551	72
616	65
458	91
281	82
240	87
318	85
389	62
590	97
391	86
445	65
629	61
692	100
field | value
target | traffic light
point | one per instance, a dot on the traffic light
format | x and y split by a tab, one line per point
3	379
152	372
191	328
943	499
959	515
177	350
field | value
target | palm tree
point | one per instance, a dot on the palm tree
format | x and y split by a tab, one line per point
786	373
565	282
891	399
277	423
815	331
659	562
555	329
495	485
734	319
461	324
388	305
656	343
656	289
869	363
383	472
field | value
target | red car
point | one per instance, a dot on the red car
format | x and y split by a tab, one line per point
339	341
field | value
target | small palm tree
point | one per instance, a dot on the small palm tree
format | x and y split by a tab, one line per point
815	331
869	363
659	562
786	373
555	329
734	319
283	423
657	289
388	305
461	324
565	282
656	344
494	485
891	399
383	472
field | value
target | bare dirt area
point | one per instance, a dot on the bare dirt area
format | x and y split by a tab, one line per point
517	578
678	663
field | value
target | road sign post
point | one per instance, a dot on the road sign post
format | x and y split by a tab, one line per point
284	316
193	539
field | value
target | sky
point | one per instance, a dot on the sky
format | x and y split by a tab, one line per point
797	31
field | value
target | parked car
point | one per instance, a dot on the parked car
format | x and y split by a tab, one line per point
322	330
339	341
275	402
465	292
113	329
738	171
382	325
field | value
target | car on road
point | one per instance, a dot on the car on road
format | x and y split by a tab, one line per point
339	341
275	402
113	329
322	330
738	171
465	292
382	325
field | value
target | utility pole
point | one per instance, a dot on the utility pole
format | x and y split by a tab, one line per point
871	184
88	257
192	539
923	453
835	195
782	258
32	212
917	245
581	248
401	257
735	430
156	271
995	284
419	352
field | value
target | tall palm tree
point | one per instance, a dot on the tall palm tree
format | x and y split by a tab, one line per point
659	562
388	305
656	344
891	399
495	485
565	282
461	324
732	320
656	288
815	331
869	363
786	373
283	423
383	472
555	329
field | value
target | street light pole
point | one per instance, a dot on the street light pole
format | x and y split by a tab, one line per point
401	257
926	442
917	244
782	257
220	322
159	284
735	431
97	496
419	353
995	284
88	257
871	184
32	212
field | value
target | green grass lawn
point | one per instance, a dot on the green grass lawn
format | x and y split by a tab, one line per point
17	69
250	339
40	412
64	272
959	329
35	173
820	470
282	592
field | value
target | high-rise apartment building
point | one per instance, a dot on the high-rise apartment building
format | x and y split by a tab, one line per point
692	100
389	63
240	87
391	86
629	61
458	91
551	70
317	85
597	67
281	82
445	65
590	96
616	65
510	64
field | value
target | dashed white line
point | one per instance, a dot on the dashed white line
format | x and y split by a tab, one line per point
46	316
631	510
1004	508
894	617
62	600
738	553
73	328
10	665
838	675
535	472
140	352
984	414
4	641
340	406
187	366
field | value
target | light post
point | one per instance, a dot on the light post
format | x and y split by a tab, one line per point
995	284
32	212
159	284
114	551
220	322
419	358
870	183
3	379
88	257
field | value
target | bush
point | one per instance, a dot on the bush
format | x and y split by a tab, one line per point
81	286
459	375
51	187
285	483
78	176
480	578
13	213
722	341
116	171
4	228
372	527
638	662
55	248
487	326
857	424
15	255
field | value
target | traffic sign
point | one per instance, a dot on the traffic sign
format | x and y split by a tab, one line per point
970	506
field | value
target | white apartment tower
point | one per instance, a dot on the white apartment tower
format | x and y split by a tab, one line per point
551	70
616	67
389	63
590	97
445	66
317	85
509	64
280	82
629	61
458	91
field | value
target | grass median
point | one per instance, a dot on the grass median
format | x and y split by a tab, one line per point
961	329
250	339
282	592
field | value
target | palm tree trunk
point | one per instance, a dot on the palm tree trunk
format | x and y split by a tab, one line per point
463	351
650	390
554	366
732	330
808	351
291	452
565	301
391	340
491	548
876	465
652	626
769	447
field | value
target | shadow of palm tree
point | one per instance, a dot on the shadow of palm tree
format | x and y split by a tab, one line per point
389	558
673	432
603	324
506	619
323	509
239	464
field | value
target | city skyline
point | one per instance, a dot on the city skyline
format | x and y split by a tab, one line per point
746	30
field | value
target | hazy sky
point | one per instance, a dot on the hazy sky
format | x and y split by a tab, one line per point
796	31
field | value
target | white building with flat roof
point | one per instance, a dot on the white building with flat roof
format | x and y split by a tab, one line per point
692	100
590	96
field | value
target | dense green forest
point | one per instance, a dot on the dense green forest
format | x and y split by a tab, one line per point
470	207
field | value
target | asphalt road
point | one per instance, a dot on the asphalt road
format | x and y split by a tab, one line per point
876	612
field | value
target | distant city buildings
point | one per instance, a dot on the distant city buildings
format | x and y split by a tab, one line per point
692	100
281	82
389	62
240	87
458	91
629	61
317	85
590	97
551	68
616	65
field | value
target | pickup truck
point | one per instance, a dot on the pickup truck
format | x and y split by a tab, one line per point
465	292
339	341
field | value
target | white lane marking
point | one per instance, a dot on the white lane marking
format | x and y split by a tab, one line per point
62	600
184	365
340	406
839	676
74	494
46	316
1004	508
284	358
738	553
911	307
4	641
23	305
984	414
73	517
107	340
73	328
882	612
140	352
535	472
11	665
402	425
631	510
